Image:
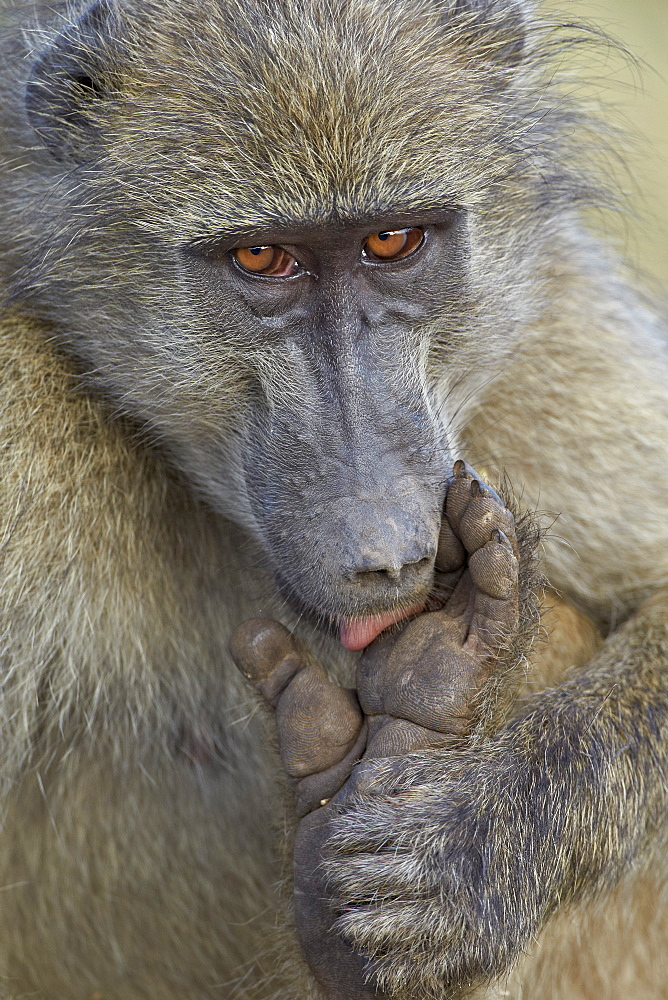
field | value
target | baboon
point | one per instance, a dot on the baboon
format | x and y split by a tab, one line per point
300	302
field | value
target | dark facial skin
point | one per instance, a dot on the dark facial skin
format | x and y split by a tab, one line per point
345	466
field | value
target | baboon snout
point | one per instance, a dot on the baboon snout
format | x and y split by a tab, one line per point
381	553
358	556
385	547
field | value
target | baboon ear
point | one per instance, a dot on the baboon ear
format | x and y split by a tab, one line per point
495	29
69	79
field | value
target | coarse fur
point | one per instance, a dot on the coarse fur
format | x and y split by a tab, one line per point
155	447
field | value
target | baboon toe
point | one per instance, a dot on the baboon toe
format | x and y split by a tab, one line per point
320	725
320	735
473	510
265	653
494	571
427	680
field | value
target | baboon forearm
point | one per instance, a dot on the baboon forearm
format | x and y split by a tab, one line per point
602	742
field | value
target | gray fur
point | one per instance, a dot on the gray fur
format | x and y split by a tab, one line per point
143	812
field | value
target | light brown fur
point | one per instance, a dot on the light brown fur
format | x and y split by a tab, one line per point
143	813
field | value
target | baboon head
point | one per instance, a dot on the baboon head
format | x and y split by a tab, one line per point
291	242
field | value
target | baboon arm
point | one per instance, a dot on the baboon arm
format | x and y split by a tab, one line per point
444	865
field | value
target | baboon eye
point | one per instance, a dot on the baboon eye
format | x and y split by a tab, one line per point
273	261
393	244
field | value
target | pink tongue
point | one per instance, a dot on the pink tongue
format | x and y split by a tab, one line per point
357	633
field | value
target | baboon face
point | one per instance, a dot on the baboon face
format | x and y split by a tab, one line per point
343	459
271	239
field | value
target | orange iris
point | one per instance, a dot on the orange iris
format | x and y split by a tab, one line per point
393	244
273	261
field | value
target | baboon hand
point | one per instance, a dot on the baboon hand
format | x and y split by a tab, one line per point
421	690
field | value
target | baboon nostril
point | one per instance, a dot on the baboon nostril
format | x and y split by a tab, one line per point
394	574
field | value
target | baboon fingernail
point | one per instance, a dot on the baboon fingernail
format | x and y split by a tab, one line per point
475	488
459	467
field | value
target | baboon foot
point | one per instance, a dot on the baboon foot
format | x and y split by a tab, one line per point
419	686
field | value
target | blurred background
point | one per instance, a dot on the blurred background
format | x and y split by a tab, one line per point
638	95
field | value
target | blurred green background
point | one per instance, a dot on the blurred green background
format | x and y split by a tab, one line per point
638	94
